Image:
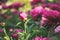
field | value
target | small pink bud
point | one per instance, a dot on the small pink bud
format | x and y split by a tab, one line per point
23	16
15	35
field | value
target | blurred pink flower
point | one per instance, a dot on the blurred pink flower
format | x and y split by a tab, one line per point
4	6
16	5
37	1
40	38
36	12
58	3
52	6
19	30
23	16
47	39
52	16
49	5
55	7
57	29
1	30
15	35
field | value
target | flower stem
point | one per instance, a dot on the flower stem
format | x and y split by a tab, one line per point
7	37
25	24
28	37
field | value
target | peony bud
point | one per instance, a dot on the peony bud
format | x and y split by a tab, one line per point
2	23
15	35
23	16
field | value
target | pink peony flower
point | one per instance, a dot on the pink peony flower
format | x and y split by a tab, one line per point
16	5
58	3
57	29
19	30
40	38
47	39
15	35
37	1
23	16
52	6
52	16
36	12
55	7
4	6
47	5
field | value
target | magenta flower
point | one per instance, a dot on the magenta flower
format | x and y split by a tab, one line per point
52	16
58	3
36	1
57	29
47	39
52	6
4	6
15	35
40	38
19	30
47	5
36	12
1	30
55	7
23	16
16	5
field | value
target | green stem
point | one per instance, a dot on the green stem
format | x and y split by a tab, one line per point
28	37
25	24
7	37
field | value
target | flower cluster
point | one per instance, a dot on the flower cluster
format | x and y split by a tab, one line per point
27	19
14	32
47	15
14	5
